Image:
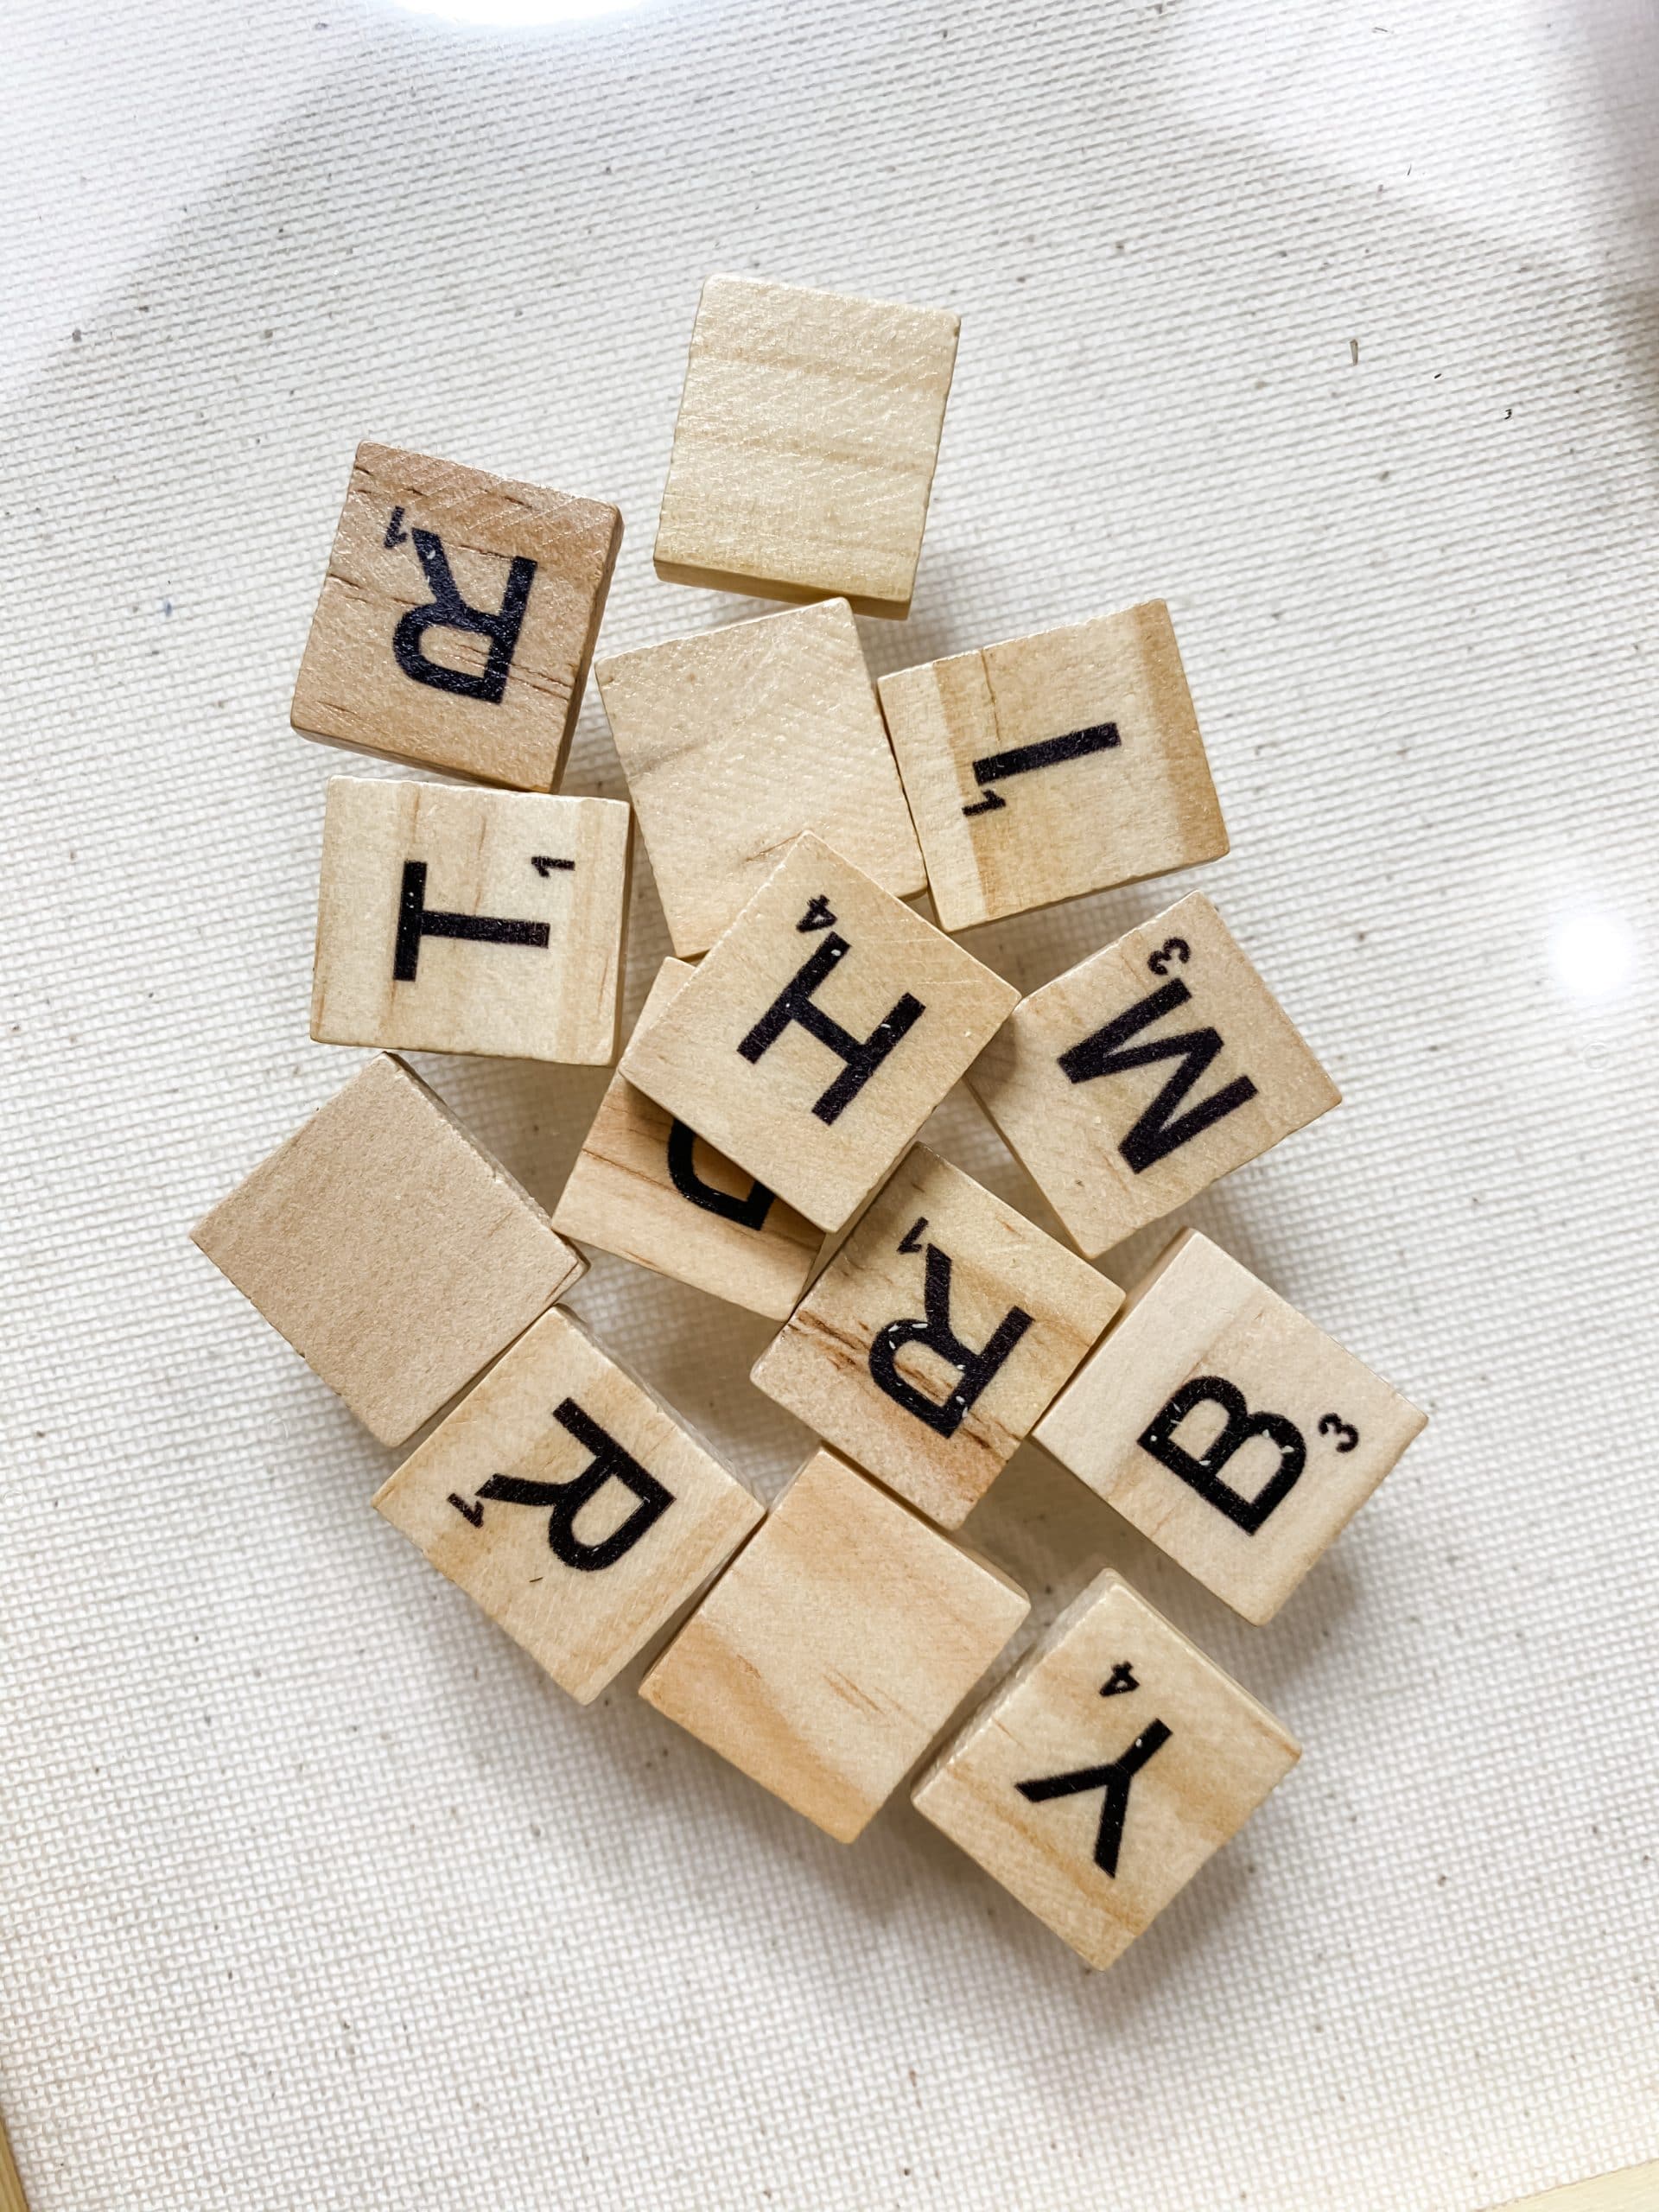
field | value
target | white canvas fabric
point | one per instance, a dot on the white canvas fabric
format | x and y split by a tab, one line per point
1336	325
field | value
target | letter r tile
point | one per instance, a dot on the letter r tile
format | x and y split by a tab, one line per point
566	1499
457	620
1109	1766
936	1335
819	1033
1227	1427
1128	1084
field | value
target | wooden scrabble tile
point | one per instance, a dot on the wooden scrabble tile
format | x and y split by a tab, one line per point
645	1186
804	449
1131	1083
565	1497
819	1034
1635	2188
936	1335
468	921
1115	1760
1053	765
1227	1427
835	1645
457	620
736	740
390	1250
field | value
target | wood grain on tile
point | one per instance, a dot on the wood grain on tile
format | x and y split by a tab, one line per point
1112	1763
835	1647
457	620
1131	1083
391	1251
819	1034
736	740
804	453
936	1335
566	1498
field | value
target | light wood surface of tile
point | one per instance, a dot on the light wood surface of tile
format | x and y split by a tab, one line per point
457	619
937	1334
1227	1427
819	1119
1141	1758
391	1251
571	1504
646	1186
471	921
1634	2190
1053	765
835	1646
11	2188
736	740
804	453
1199	1069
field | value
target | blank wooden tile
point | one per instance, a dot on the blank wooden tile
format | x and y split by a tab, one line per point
1114	1761
736	740
1053	765
646	1186
819	1034
936	1335
1227	1427
389	1249
835	1647
1635	2188
467	921
577	1510
457	620
1131	1083
804	449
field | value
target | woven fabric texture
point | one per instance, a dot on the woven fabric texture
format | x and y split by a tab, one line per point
1335	326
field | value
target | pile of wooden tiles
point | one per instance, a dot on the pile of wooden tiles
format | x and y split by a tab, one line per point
758	1138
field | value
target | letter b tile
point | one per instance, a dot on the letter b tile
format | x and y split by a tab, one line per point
1128	1084
1112	1763
819	1034
1227	1427
936	1335
564	1497
457	620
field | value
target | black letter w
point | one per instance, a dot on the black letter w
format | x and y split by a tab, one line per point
1159	1129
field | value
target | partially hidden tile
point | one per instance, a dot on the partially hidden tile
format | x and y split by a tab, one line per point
1227	1427
457	619
645	1185
835	1646
1053	765
804	449
734	740
936	1335
819	1034
1132	1082
1635	2188
1109	1766
391	1251
576	1508
471	921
